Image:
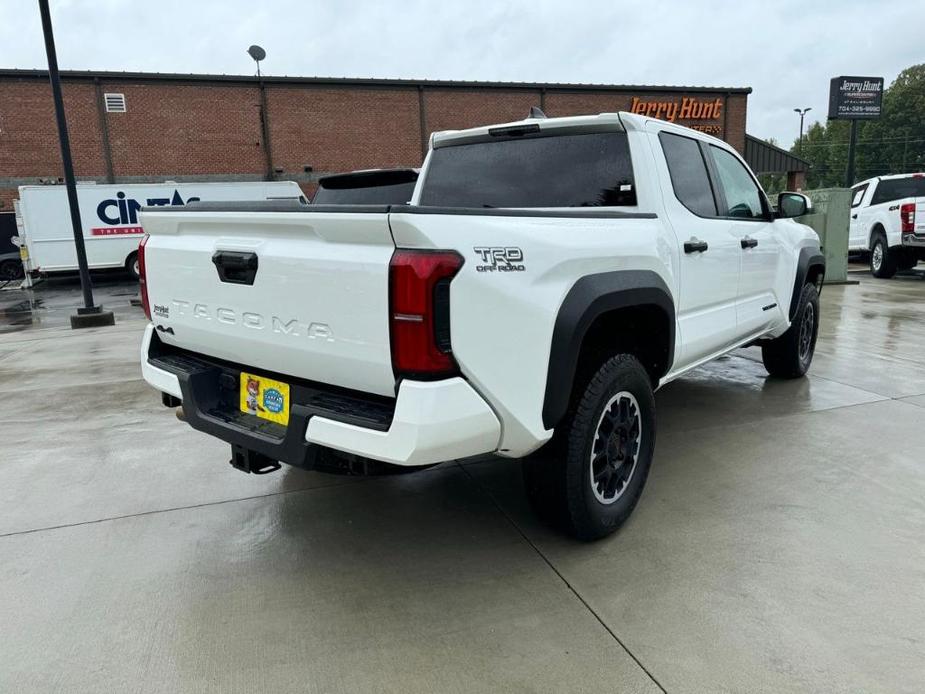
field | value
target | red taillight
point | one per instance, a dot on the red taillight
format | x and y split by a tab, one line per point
142	277
419	286
907	218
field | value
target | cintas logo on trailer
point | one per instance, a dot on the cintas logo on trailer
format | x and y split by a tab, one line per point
121	213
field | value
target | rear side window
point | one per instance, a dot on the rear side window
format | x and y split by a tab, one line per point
688	172
899	188
858	195
583	170
388	187
743	197
395	194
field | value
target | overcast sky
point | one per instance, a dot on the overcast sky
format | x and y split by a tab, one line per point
786	51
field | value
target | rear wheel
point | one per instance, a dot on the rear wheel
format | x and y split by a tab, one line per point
11	270
790	355
131	265
882	261
591	476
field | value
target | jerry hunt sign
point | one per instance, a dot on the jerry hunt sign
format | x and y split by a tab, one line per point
852	98
684	109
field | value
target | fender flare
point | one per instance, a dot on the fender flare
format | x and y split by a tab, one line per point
590	297
809	258
875	228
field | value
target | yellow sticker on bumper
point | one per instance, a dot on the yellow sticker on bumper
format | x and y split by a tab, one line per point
264	397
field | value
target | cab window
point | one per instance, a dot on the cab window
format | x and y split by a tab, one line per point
858	194
688	171
743	197
898	188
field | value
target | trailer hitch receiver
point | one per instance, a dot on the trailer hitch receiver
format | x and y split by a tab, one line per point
252	462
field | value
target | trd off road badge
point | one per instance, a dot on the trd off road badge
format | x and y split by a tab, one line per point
500	259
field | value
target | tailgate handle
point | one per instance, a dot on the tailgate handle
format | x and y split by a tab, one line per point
236	267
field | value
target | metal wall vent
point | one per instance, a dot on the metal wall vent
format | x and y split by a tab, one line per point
115	103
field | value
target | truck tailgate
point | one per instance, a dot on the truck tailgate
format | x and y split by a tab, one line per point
298	293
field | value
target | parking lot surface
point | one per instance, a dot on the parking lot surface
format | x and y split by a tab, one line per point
777	547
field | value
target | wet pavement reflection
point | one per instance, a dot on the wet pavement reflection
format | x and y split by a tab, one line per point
777	547
51	301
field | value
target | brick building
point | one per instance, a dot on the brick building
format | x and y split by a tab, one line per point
139	127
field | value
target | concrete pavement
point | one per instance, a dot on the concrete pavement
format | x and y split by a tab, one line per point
778	545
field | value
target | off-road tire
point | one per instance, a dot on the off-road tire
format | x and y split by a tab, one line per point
790	355
882	260
597	434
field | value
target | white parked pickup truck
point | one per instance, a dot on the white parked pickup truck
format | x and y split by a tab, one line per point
547	277
888	220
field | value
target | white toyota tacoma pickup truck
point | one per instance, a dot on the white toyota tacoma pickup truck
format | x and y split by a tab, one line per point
547	277
888	220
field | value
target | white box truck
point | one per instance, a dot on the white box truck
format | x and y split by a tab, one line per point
109	217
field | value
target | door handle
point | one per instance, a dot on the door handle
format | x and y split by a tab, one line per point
854	216
749	243
695	246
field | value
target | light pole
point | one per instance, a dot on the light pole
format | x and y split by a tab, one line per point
258	54
802	113
91	315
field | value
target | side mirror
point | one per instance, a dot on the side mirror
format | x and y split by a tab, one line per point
793	205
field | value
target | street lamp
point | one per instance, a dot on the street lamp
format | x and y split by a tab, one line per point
258	54
90	315
802	113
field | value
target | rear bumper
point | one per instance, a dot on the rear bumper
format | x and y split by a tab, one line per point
913	240
431	422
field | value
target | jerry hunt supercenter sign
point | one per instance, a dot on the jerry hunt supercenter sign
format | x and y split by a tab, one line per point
853	98
683	109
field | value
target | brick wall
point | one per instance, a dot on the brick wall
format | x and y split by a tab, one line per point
7	195
186	129
456	109
343	129
735	118
29	136
175	128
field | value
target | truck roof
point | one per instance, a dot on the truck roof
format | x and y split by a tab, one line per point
617	121
890	177
598	123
